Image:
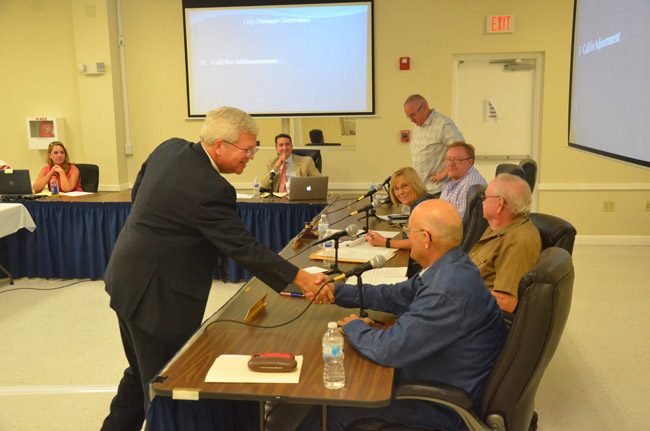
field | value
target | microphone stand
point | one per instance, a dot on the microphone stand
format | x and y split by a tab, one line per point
369	213
362	309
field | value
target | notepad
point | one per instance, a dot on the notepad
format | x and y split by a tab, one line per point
234	369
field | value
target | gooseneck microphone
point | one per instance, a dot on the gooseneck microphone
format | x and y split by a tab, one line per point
364	208
376	262
350	230
372	191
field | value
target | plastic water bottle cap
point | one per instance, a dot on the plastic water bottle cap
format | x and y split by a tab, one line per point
332	325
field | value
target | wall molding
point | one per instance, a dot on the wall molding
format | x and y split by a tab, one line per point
613	240
593	186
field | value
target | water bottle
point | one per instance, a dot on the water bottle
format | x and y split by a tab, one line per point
54	185
327	246
323	227
256	188
333	369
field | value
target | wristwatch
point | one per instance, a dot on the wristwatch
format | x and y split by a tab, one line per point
387	242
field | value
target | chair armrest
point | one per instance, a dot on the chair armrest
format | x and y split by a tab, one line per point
436	392
446	395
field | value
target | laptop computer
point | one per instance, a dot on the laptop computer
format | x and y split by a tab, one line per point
15	182
308	188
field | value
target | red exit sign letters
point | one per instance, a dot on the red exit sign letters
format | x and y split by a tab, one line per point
500	24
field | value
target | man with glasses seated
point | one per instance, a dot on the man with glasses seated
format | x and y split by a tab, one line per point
511	244
448	328
431	134
459	164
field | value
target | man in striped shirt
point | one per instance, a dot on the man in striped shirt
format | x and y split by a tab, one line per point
431	135
459	164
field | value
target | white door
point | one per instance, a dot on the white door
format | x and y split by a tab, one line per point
497	106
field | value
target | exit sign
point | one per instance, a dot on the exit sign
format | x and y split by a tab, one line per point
500	24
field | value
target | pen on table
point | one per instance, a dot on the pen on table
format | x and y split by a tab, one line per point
293	294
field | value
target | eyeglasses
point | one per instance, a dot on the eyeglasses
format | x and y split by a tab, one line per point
408	230
484	197
250	152
397	189
454	161
413	114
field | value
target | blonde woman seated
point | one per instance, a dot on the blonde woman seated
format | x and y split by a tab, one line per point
287	165
408	190
58	166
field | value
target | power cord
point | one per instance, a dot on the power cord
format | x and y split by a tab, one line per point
49	288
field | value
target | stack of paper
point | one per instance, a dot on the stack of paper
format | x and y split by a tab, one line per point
381	276
359	253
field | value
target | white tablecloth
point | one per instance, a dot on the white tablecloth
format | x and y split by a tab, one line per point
14	217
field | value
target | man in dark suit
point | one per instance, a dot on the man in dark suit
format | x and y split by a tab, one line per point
182	221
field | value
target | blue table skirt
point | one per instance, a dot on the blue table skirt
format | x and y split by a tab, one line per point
75	239
166	414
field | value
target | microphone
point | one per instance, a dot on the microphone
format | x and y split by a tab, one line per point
364	209
376	262
272	175
372	191
350	230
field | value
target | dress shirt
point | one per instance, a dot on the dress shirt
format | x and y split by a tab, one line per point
455	192
429	146
449	328
504	256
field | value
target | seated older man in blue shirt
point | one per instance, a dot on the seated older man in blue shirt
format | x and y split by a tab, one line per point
449	328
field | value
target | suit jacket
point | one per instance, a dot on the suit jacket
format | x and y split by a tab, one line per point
304	166
183	219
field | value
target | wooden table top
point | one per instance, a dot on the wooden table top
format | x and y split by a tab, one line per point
367	383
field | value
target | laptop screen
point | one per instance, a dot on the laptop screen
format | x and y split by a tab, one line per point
308	188
15	182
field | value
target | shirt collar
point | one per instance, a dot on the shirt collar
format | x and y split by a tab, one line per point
450	255
517	221
429	118
214	165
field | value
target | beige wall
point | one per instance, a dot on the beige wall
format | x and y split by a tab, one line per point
42	41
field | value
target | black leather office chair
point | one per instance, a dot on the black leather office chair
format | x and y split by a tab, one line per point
314	154
511	168
555	231
530	169
473	222
316	137
508	398
89	177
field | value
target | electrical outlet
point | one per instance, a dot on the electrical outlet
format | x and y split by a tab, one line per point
647	205
609	206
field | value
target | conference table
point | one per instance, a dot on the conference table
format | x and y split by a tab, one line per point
13	217
182	397
77	234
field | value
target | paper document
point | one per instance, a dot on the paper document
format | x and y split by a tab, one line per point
388	233
74	194
276	194
360	253
244	196
234	369
381	276
314	269
387	217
